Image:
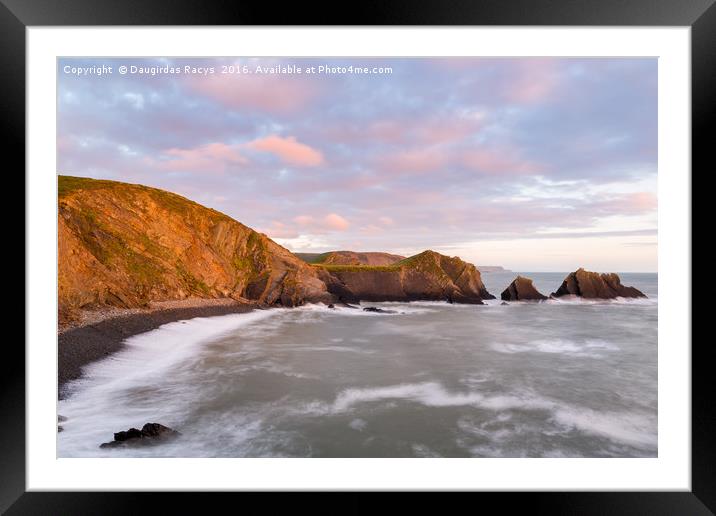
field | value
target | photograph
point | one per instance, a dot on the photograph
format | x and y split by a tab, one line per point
385	257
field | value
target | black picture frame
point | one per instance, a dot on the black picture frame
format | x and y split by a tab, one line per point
17	15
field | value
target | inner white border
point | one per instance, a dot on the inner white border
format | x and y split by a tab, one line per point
670	471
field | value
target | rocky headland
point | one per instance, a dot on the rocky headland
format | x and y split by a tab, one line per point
125	245
350	258
427	276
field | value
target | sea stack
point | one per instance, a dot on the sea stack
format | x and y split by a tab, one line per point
593	285
522	289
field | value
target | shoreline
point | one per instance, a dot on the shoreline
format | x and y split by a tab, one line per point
104	332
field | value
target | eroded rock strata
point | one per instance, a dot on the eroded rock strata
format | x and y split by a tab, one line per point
425	276
593	285
521	289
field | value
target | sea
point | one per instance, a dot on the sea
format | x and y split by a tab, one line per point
561	378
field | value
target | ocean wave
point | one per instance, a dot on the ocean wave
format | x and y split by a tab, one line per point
627	428
592	348
577	300
630	428
151	353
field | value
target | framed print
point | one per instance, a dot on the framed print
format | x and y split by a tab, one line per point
448	256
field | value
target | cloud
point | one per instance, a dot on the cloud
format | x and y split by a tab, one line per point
440	151
496	161
308	225
269	93
278	229
289	150
211	157
535	80
335	221
414	160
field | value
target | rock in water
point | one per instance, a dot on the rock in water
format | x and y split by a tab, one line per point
150	434
521	289
593	285
378	310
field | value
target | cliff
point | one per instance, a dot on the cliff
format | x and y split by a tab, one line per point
596	286
521	289
350	258
425	276
125	245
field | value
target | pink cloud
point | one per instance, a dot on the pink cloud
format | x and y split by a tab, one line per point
535	80
415	160
285	94
643	201
211	157
303	220
310	224
627	204
335	221
280	230
288	150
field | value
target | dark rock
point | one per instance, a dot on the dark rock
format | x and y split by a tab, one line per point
129	434
60	429
61	419
521	289
504	304
332	306
156	430
378	310
150	434
593	285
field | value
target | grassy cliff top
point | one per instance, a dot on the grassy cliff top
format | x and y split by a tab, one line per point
69	185
355	268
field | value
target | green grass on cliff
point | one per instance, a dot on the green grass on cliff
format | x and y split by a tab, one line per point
67	185
355	268
313	258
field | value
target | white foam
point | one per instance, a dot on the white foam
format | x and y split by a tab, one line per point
630	428
358	424
427	393
422	450
96	407
340	349
577	300
156	350
592	348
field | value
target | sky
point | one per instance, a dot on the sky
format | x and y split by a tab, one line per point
535	164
